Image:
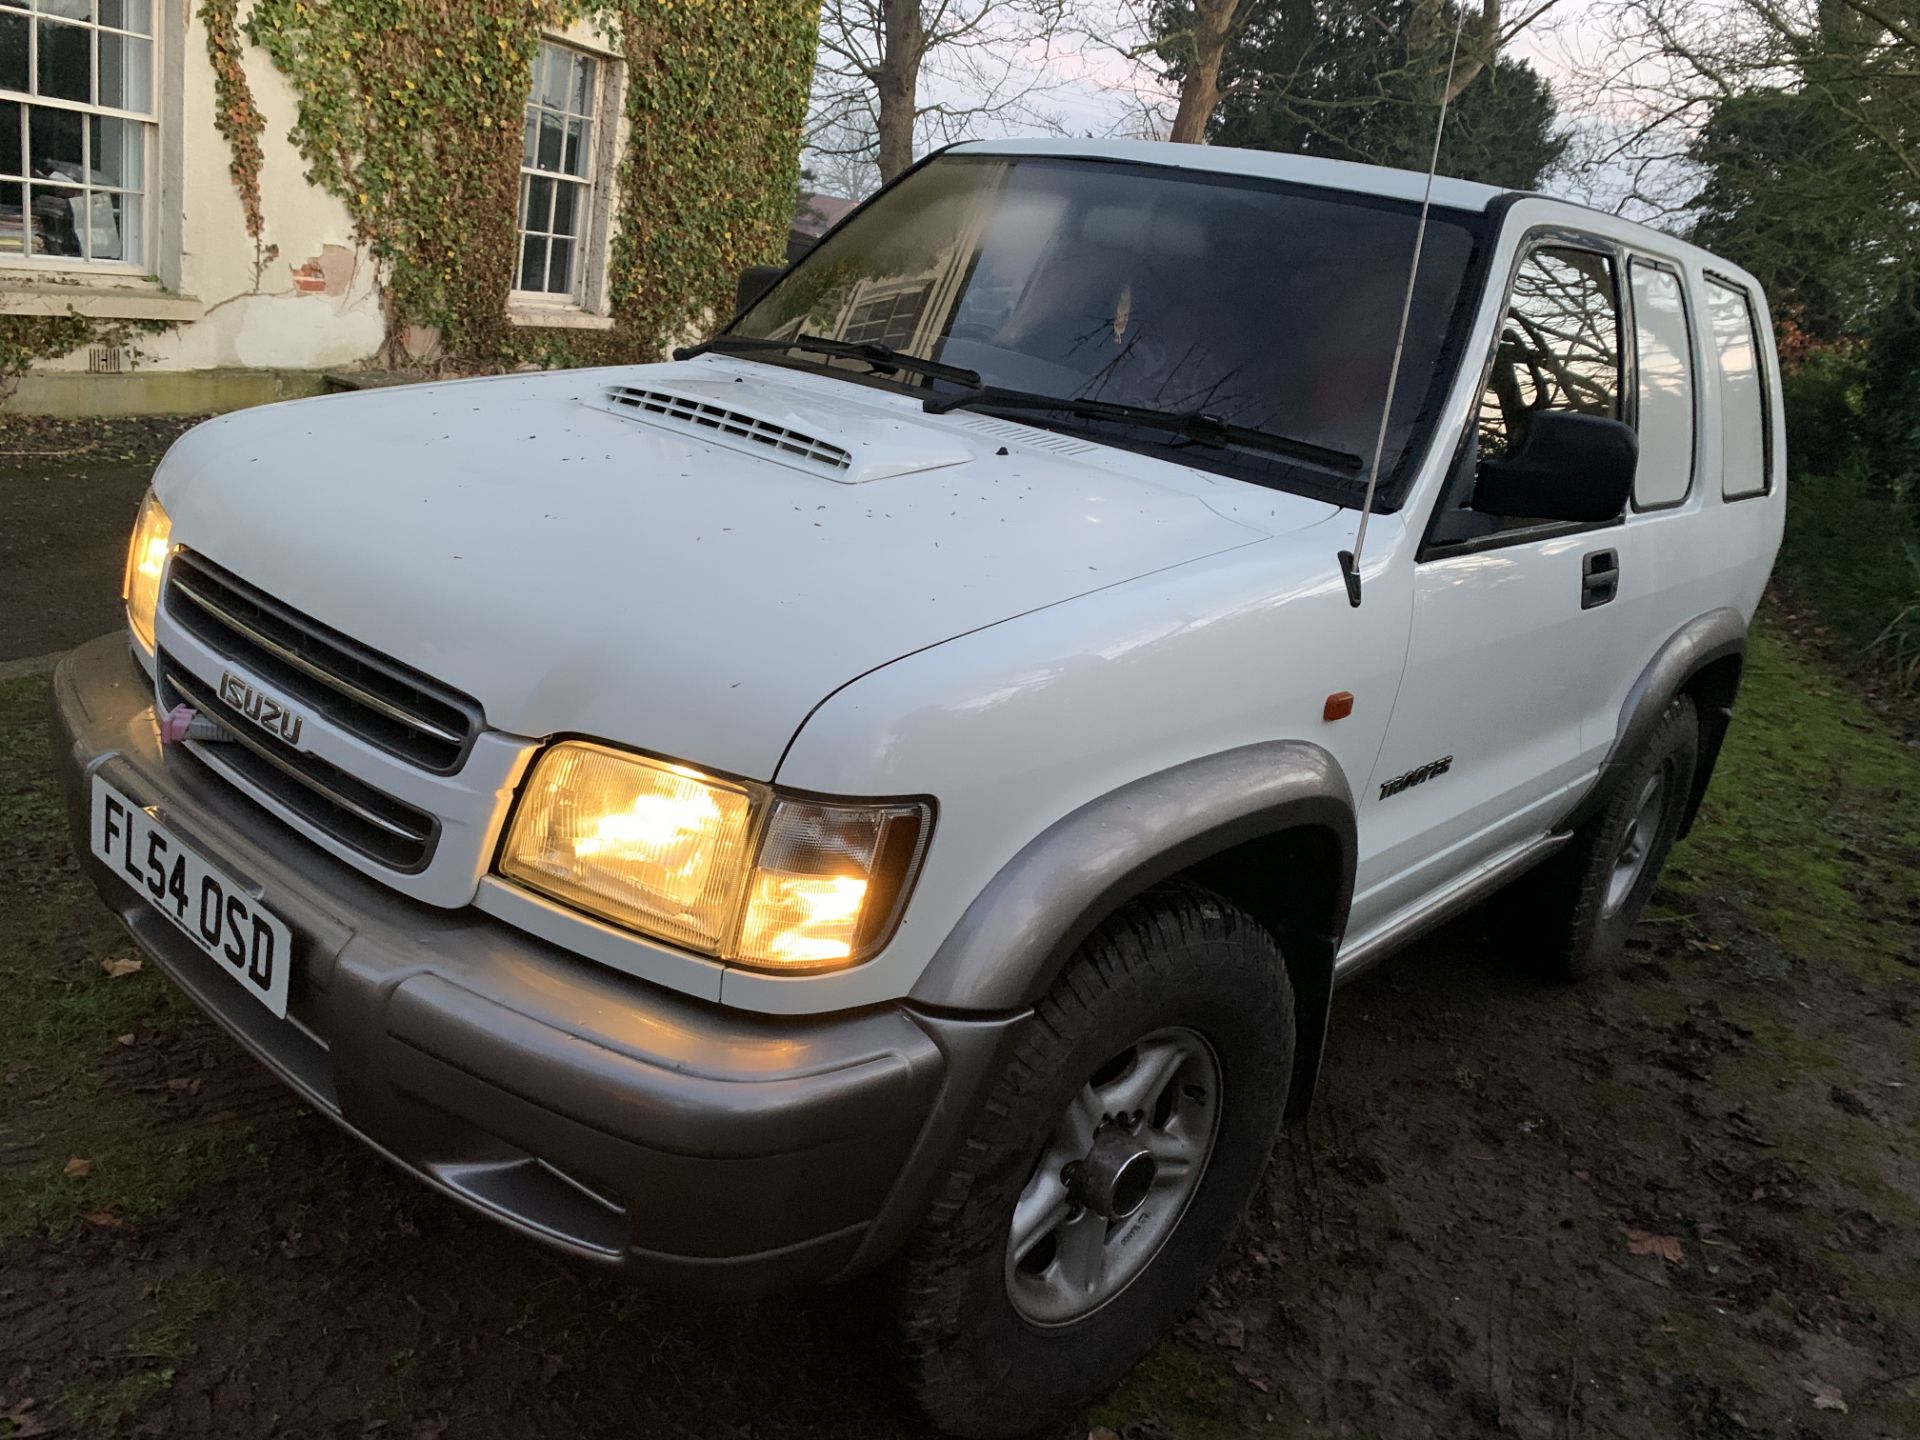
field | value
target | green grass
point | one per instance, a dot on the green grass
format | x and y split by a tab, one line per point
1855	552
1811	822
62	1008
60	1027
168	1314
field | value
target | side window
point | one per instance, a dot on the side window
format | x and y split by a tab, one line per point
1559	346
1665	353
1743	403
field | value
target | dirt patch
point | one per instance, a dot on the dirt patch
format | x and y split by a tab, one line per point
1681	1202
68	492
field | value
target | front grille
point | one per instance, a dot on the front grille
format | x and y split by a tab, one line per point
325	796
357	689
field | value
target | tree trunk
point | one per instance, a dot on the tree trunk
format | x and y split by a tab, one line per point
896	84
1213	27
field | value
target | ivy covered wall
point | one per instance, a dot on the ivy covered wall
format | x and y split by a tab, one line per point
409	113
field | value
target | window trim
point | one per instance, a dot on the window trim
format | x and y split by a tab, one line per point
67	269
1534	239
1761	374
585	307
1694	358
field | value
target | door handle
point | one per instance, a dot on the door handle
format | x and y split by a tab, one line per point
1599	578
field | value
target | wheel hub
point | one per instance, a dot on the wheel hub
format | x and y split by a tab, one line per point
1636	843
1114	1179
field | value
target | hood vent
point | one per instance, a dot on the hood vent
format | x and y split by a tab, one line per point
698	415
1025	435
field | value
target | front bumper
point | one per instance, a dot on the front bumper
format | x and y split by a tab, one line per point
613	1119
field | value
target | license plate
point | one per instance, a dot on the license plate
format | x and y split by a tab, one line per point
206	905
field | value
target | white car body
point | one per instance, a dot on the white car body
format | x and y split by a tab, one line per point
1087	664
1054	625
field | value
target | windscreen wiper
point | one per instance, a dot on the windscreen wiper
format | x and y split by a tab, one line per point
881	357
1195	425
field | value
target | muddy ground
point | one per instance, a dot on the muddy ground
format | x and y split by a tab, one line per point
1680	1202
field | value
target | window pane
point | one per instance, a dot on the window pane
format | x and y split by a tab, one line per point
13	51
550	138
556	77
65	59
1559	348
129	211
98	227
533	263
560	274
118	152
21	4
56	213
576	158
126	70
53	144
582	94
126	15
71	9
539	204
1666	388
12	133
529	140
1743	416
565	203
13	219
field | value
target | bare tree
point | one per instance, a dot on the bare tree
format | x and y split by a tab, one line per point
895	74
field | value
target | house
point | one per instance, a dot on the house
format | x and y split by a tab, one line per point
206	203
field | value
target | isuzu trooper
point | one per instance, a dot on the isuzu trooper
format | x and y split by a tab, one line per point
899	785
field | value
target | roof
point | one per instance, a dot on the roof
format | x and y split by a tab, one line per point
1261	164
817	214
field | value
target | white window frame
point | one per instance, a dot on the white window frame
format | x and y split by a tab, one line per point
149	122
586	305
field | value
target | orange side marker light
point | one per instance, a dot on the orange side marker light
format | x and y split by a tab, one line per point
1339	705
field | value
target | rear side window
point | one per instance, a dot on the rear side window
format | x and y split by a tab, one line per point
1743	409
1559	346
1665	352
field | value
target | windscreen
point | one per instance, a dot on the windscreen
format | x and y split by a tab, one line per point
1271	307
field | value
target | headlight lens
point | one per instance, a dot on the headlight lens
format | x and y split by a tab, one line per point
726	868
146	555
652	846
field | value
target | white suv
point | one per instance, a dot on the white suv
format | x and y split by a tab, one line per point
902	783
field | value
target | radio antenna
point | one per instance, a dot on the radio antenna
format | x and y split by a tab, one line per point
1350	559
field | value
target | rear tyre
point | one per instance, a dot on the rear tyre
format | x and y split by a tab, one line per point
1569	919
1108	1171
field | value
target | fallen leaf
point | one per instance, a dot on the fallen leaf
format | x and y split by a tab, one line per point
191	1086
78	1169
121	965
1825	1397
105	1219
1100	1432
23	1423
1667	1247
126	1039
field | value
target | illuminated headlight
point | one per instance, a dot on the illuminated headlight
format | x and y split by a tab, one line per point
730	869
146	555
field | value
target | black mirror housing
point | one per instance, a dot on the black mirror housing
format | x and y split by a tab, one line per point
1569	467
754	282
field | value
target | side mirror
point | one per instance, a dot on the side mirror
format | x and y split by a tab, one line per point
754	282
1569	467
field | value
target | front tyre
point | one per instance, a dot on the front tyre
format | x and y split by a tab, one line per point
1105	1177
